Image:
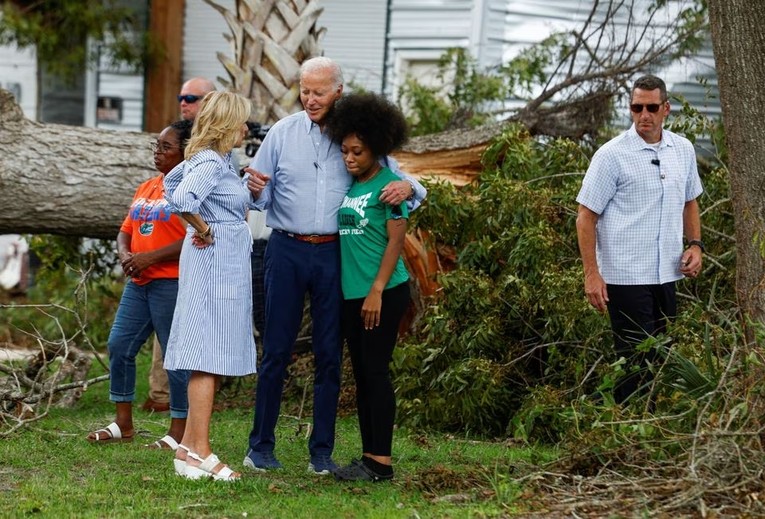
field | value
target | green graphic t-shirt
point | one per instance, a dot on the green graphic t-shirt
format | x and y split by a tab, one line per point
363	235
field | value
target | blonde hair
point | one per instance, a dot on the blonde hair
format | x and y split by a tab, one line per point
218	122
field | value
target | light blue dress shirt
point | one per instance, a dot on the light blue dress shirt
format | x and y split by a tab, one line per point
640	192
308	177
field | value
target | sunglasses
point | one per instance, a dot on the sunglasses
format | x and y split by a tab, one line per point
653	107
190	99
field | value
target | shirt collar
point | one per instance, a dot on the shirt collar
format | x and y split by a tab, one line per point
307	122
639	144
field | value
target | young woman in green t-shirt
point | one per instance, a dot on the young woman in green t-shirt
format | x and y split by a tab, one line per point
374	279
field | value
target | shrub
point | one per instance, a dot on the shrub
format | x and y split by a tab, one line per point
510	344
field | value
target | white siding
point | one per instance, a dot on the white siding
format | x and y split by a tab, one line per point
495	31
126	85
203	39
355	38
18	73
129	88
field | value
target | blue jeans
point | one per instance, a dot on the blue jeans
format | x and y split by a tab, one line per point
294	268
144	309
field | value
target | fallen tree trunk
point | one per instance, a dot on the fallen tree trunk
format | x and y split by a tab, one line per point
66	179
79	181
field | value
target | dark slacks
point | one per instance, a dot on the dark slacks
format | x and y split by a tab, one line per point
638	312
258	262
294	268
371	352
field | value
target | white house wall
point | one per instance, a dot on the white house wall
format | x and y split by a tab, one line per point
18	73
421	30
355	38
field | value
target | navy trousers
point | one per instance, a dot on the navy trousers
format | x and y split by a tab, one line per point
257	260
294	269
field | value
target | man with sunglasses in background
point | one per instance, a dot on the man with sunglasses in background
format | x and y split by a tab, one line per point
189	101
191	94
637	202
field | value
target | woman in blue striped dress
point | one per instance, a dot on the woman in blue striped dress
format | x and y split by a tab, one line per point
211	333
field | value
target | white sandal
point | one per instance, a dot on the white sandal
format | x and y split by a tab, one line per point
180	465
167	440
115	435
206	467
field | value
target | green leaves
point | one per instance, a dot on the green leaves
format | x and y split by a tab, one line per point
511	306
510	344
60	30
463	97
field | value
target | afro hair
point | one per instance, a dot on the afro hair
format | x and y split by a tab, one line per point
377	122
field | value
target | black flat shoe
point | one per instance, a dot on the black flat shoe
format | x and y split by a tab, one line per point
357	471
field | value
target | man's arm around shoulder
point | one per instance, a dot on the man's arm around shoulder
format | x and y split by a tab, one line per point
408	189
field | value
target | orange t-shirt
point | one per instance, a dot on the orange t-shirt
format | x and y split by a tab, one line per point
152	226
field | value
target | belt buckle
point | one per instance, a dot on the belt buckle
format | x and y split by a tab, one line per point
313	239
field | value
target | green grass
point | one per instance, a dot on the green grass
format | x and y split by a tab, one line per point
50	470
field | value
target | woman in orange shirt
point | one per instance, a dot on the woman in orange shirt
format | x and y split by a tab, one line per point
149	246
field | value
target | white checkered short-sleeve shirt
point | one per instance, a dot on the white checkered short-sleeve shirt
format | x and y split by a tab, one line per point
640	192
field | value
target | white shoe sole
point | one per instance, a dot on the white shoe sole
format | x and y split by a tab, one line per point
312	470
250	465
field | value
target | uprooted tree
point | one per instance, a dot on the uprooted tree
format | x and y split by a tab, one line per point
78	181
515	288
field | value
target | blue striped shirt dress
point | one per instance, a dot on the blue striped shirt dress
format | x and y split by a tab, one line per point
212	323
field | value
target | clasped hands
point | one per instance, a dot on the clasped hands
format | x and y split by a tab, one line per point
134	264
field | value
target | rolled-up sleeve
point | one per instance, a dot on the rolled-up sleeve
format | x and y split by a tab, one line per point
171	182
199	180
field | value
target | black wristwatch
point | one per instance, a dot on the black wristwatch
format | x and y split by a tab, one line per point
699	244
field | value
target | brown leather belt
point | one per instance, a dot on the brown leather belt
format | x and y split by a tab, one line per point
314	239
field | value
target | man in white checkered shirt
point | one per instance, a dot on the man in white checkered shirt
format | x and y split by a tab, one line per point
637	201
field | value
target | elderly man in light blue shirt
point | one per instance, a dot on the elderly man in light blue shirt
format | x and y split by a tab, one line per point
299	176
637	201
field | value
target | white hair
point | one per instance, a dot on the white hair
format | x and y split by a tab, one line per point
322	63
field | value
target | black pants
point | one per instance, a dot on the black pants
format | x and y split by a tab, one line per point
638	312
371	352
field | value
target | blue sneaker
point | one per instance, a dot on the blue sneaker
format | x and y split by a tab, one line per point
261	461
322	465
